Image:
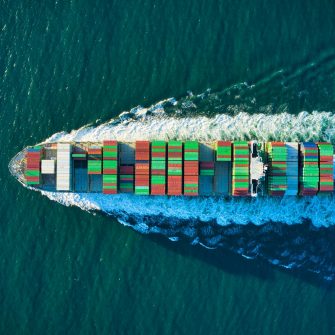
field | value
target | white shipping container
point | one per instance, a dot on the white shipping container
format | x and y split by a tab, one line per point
47	166
63	180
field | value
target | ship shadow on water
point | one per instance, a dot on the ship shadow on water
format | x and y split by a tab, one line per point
233	263
302	251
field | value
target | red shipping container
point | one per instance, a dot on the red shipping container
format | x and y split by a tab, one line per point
191	179
109	184
94	151
174	185
242	180
142	168
142	156
207	165
224	143
109	171
32	162
174	191
174	179
191	168
175	165
158	189
142	150
172	155
158	172
110	158
129	169
109	142
326	188
93	172
109	191
142	144
241	194
141	180
32	178
158	154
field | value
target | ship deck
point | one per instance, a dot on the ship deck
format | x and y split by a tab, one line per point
82	182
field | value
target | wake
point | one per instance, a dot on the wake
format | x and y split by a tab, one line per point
246	226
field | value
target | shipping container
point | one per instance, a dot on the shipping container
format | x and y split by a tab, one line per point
326	167
48	166
191	151
191	185
309	169
142	151
64	167
223	151
127	178
241	169
33	165
175	150
207	168
158	150
158	185
175	185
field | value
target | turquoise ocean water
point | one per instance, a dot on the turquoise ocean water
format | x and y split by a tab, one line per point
65	64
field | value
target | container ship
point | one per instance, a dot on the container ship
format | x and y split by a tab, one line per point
179	168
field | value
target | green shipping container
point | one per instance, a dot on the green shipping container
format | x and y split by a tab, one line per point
142	190
32	173
94	165
109	178
110	164
158	180
158	165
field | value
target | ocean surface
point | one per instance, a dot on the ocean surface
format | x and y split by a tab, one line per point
200	69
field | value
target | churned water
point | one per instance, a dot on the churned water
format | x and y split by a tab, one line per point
270	67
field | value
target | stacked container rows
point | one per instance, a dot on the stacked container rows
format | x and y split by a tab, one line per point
191	168
33	160
207	168
94	163
142	167
158	167
240	175
79	153
175	167
326	166
309	168
127	178
292	168
110	167
223	151
277	177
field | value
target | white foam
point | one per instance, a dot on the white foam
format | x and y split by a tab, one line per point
154	123
289	210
